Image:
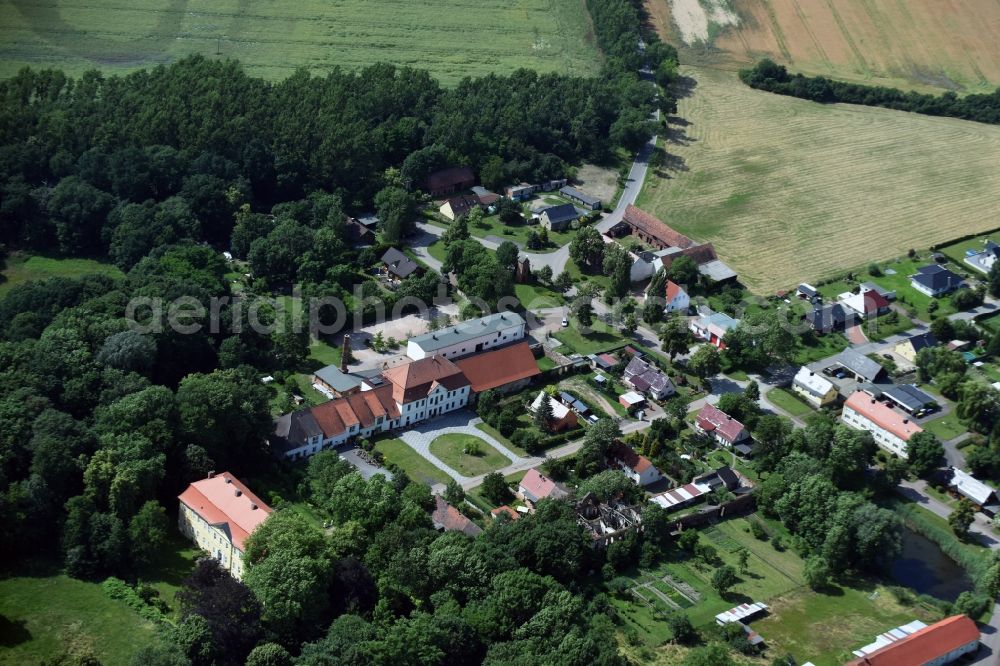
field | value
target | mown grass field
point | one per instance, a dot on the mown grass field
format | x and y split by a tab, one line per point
21	268
925	44
792	191
416	467
451	450
450	38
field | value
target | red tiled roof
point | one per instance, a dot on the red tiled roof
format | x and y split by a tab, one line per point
415	380
362	409
924	646
673	289
651	226
514	515
223	501
627	456
540	486
448	518
883	415
875	301
496	368
711	418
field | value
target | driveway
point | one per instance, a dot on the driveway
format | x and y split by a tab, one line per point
420	436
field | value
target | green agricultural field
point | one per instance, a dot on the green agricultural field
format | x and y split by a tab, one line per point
450	449
451	39
23	269
784	187
416	466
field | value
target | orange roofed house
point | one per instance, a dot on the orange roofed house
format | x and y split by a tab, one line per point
941	643
890	429
219	514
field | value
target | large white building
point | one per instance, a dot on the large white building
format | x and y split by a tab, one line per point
890	429
404	395
219	514
468	337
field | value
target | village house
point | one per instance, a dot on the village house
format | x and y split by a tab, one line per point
468	337
913	645
813	388
535	487
647	379
504	511
638	468
398	266
866	304
448	181
632	401
486	198
582	198
830	317
219	514
936	280
563	418
459	206
720	426
447	518
909	348
807	292
521	192
507	369
890	429
668	245
712	327
676	299
358	233
559	217
964	485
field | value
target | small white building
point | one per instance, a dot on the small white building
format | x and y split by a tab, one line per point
677	300
468	337
815	389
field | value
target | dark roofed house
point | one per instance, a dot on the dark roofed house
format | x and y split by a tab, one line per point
459	206
558	218
646	378
910	347
582	198
830	317
398	265
910	398
448	181
486	198
864	368
449	519
936	280
358	233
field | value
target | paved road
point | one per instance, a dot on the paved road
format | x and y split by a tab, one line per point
636	177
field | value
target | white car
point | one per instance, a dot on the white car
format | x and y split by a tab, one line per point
565	322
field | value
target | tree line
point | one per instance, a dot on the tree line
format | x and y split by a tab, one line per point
768	75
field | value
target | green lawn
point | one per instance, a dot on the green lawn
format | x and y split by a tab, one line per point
535	296
416	467
945	427
579	276
789	402
495	434
22	269
273	40
324	352
824	346
906	295
437	250
450	449
882	327
956	251
601	338
175	563
492	227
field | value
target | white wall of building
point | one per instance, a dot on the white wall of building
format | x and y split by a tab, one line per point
882	437
470	346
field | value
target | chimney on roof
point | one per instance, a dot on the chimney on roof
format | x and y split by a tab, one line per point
211	473
237	492
253	507
906	420
345	353
228	480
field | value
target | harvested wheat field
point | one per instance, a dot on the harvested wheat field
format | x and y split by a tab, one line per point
943	44
790	190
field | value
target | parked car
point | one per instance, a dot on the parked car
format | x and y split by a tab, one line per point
565	322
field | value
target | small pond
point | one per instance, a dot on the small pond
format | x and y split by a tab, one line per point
922	566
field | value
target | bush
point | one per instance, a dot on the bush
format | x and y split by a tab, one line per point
758	530
119	590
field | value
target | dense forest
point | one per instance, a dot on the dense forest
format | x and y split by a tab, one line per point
769	76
